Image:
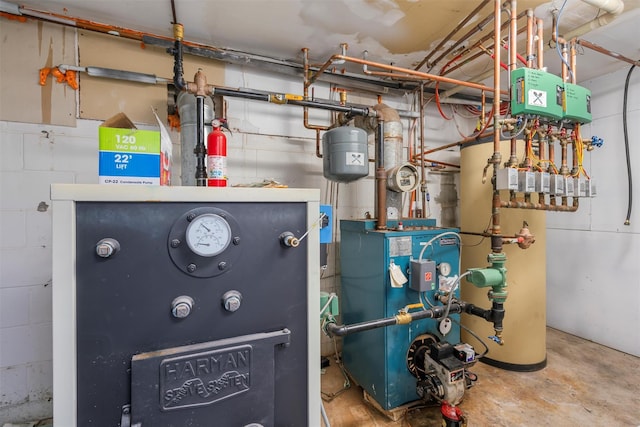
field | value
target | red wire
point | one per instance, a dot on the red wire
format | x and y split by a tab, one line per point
438	104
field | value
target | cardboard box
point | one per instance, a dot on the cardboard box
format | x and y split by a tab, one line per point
128	155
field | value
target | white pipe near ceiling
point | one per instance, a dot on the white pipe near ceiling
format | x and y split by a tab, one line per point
614	7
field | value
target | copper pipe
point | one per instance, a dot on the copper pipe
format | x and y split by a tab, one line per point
476	46
529	52
607	52
452	33
454	144
423	170
496	84
552	153
564	169
479	27
496	242
318	154
438	162
406	71
483	112
574	158
305	110
513	51
541	200
513	36
561	41
542	206
540	152
573	52
565	61
540	43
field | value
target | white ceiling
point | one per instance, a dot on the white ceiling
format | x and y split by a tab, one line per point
401	32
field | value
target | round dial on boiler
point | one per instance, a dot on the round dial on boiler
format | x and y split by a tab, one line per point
208	235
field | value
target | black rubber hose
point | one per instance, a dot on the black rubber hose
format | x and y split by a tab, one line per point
626	145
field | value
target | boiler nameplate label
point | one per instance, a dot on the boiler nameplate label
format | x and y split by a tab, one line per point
205	378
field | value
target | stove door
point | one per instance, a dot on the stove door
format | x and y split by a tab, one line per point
227	382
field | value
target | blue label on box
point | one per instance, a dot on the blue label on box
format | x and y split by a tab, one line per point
129	164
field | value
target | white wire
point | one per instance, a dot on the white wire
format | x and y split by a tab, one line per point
427	244
332	295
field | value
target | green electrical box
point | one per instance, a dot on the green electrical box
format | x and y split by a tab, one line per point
536	92
577	107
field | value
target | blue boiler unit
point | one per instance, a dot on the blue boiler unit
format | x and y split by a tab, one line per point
379	360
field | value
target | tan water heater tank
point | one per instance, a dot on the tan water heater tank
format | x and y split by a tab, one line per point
524	333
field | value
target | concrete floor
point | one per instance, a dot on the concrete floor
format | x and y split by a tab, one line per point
584	384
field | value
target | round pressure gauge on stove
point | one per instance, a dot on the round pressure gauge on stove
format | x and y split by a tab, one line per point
208	235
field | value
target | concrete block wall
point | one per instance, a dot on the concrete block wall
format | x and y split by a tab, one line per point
268	142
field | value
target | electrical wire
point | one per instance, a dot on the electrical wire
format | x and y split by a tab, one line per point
453	289
473	334
558	44
626	145
427	244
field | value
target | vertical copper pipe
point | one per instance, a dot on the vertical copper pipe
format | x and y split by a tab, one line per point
573	51
540	43
576	147
540	152
496	240
565	61
496	83
529	53
305	110
513	51
564	169
423	169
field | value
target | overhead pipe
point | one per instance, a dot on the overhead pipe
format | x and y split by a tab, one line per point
613	8
543	207
409	72
477	45
607	52
478	27
452	33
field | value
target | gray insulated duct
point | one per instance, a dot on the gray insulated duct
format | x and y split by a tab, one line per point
392	150
188	133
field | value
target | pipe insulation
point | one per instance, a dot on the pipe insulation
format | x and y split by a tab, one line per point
614	7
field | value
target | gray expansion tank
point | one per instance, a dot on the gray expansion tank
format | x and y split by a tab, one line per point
346	157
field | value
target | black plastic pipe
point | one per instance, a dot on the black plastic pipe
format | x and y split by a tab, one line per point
400	319
178	74
268	97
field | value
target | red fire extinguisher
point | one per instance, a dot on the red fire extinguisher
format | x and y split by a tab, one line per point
217	155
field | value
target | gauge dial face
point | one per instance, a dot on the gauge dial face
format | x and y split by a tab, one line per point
208	235
445	268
